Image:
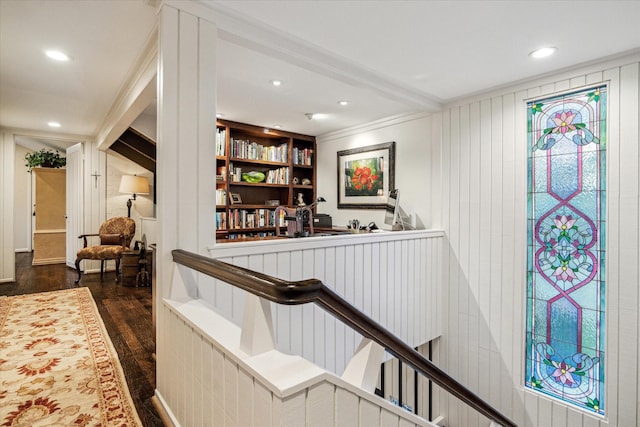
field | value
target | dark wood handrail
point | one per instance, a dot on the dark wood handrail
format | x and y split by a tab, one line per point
313	290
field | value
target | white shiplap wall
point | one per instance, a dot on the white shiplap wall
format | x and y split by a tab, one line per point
394	278
217	384
484	150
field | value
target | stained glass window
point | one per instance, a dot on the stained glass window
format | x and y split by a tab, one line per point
566	247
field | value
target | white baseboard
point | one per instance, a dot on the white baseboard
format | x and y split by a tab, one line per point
49	261
164	411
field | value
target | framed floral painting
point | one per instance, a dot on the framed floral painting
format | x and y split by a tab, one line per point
365	176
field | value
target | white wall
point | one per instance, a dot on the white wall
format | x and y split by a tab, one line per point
484	150
394	278
22	212
147	125
218	384
416	171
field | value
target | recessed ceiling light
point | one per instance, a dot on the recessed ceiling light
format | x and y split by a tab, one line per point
277	127
276	82
543	52
57	55
54	124
218	115
316	116
343	103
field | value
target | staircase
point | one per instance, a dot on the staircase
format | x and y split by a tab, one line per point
247	381
136	147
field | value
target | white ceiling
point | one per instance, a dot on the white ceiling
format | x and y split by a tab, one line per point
385	57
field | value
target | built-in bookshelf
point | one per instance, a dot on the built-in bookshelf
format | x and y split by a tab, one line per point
245	209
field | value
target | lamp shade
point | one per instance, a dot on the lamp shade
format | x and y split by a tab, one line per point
133	184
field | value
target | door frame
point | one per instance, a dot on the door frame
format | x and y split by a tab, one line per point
75	201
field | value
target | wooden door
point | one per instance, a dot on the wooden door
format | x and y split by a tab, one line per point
49	234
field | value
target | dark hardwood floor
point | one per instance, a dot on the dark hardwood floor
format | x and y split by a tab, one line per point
126	312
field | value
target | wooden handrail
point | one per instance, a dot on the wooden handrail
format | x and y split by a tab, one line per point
313	290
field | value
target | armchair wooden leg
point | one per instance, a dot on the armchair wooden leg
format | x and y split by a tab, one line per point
117	269
78	270
101	268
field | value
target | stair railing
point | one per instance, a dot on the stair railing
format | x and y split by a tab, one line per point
314	291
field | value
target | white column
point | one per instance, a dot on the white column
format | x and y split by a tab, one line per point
186	165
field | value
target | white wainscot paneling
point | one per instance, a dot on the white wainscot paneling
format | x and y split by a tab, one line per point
394	278
228	387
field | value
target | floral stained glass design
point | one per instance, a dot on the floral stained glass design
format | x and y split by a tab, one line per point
566	253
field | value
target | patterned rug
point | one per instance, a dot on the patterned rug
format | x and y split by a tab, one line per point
58	366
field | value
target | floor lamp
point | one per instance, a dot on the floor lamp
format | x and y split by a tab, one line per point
133	184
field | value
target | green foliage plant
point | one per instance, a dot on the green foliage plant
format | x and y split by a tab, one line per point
45	158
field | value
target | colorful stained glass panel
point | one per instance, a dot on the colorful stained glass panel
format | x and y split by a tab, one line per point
566	252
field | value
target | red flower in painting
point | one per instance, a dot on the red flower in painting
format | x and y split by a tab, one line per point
31	411
363	178
35	368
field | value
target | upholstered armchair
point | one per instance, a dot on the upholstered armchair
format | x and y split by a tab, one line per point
115	236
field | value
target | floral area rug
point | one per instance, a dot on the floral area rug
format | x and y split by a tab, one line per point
58	366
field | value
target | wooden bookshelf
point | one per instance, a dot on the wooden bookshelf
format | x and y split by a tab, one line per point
288	161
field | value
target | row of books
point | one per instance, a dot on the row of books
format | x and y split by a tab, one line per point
302	156
221	141
277	176
249	218
221	173
244	149
221	220
261	234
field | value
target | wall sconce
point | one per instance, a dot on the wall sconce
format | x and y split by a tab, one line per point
133	184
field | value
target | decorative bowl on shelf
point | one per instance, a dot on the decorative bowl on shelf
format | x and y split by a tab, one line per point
253	176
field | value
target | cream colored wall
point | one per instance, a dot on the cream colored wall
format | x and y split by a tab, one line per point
7	166
116	202
22	202
484	152
146	124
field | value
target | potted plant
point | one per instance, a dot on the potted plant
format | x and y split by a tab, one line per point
45	158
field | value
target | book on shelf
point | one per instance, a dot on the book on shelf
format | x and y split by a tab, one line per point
221	141
259	234
302	156
278	176
255	218
221	196
221	173
221	221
